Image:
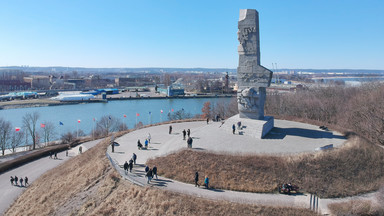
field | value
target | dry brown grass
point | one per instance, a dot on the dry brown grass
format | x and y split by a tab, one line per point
356	207
356	168
87	185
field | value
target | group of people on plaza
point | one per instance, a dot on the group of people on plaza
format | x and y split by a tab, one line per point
54	155
150	173
15	180
189	140
238	127
146	142
130	164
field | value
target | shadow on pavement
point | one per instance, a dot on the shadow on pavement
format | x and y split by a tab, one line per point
280	133
214	190
199	148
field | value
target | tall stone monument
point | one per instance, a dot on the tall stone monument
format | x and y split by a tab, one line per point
253	79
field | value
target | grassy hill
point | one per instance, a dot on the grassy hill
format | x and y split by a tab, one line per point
88	185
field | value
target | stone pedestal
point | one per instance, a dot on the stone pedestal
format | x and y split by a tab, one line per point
250	127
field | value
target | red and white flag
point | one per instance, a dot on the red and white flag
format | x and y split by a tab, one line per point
137	114
42	125
17	128
78	121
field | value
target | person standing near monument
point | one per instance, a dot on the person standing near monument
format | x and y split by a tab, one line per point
139	145
134	156
149	137
130	165
184	134
189	142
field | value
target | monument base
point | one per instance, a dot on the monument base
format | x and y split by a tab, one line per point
250	127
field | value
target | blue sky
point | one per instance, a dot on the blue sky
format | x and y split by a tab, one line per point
160	33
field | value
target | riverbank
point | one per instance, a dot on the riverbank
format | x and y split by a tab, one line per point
15	104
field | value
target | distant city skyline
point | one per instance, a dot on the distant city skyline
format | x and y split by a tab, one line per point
193	34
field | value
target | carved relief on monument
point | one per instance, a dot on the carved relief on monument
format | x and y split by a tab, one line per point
247	99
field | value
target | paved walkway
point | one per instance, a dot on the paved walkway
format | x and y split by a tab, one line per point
33	170
287	137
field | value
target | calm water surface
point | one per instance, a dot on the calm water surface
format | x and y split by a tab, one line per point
148	110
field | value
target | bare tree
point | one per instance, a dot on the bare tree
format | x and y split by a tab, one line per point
108	124
67	137
5	131
29	122
16	140
179	114
48	131
206	110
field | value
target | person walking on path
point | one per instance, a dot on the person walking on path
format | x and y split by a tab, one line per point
238	125
16	180
233	128
50	155
12	179
126	167
149	137
189	133
207	120
206	182
154	171
21	182
197	179
189	142
55	155
146	168
134	158
26	181
113	147
66	153
170	129
149	176
146	143
80	149
184	134
130	165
